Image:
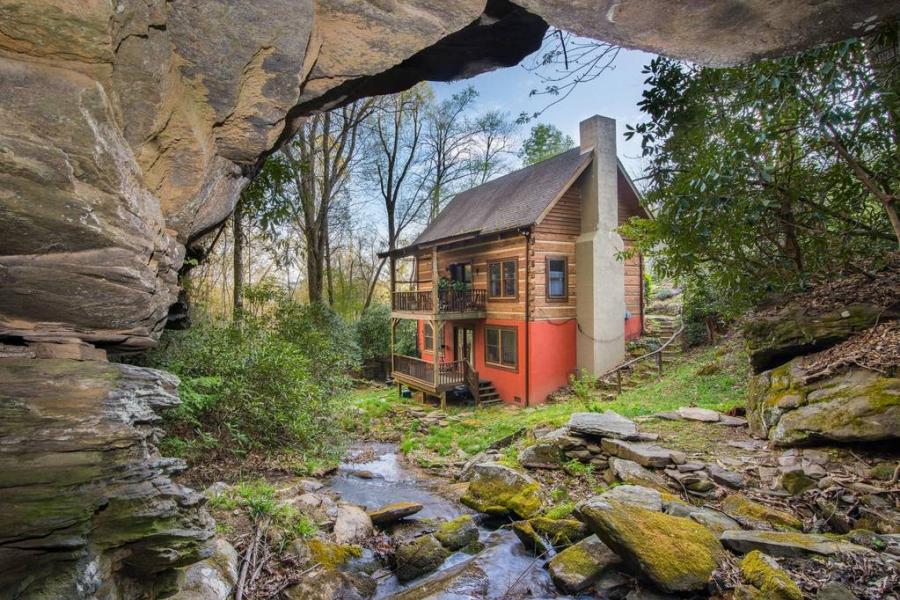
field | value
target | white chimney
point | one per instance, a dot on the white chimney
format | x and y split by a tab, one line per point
600	277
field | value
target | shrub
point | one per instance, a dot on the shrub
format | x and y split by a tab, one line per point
274	382
582	385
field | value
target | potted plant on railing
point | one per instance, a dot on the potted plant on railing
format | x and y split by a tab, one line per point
455	288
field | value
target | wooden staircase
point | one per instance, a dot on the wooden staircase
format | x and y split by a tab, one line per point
487	393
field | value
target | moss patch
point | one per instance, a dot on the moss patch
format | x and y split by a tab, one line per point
331	555
457	533
773	582
741	508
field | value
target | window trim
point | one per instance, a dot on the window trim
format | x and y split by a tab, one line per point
426	337
502	297
565	296
500	329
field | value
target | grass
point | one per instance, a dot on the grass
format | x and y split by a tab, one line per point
259	500
681	385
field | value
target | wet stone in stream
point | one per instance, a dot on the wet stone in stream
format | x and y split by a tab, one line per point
504	569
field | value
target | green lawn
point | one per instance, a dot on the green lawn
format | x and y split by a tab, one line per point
722	388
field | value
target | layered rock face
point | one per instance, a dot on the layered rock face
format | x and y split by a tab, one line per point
127	130
87	506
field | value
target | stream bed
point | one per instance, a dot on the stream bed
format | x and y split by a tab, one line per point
503	570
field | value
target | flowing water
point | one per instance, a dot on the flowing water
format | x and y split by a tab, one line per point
504	567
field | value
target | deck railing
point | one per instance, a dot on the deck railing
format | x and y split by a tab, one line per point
416	368
462	300
413	301
448	301
449	373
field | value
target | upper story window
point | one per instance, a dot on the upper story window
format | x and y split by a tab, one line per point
461	272
557	279
503	279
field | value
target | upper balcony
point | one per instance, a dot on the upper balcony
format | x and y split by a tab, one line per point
451	304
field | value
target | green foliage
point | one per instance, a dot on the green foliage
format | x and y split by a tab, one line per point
543	142
768	176
259	500
576	467
582	385
560	511
273	382
703	313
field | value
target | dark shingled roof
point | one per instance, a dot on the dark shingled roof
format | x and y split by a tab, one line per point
514	200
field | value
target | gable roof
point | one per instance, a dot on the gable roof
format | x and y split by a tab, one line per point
516	199
513	201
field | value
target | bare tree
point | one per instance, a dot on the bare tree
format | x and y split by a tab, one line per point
319	159
448	143
396	161
494	144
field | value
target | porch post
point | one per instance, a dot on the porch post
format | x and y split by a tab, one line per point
434	281
393	333
438	341
393	267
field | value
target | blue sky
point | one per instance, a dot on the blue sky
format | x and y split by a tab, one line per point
614	94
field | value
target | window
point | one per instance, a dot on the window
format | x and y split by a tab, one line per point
502	279
501	347
557	284
428	335
461	272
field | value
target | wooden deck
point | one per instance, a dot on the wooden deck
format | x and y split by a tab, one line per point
420	375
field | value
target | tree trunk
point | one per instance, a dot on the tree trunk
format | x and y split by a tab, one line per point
238	283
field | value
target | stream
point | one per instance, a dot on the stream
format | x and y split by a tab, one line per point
509	570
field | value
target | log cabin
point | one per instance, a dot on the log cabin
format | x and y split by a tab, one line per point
519	282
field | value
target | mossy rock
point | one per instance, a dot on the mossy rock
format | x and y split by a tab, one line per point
676	553
457	533
771	580
560	532
331	555
530	538
759	516
775	339
418	557
498	490
852	405
578	566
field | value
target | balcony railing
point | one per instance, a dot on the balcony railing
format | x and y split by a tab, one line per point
449	373
448	301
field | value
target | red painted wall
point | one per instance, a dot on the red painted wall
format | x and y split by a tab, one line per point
552	348
510	383
633	328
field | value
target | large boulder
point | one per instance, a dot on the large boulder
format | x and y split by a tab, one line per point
607	424
774	339
85	498
213	578
676	553
852	405
758	516
498	490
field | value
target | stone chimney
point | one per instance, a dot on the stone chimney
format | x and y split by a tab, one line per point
600	280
